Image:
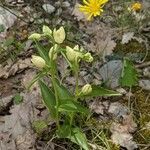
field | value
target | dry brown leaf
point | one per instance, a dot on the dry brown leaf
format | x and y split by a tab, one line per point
11	69
78	14
127	37
121	132
101	40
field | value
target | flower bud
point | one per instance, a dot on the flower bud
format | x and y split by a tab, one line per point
86	89
38	61
53	51
47	30
76	48
72	55
59	35
34	36
87	57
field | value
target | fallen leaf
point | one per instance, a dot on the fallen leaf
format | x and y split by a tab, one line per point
127	37
78	14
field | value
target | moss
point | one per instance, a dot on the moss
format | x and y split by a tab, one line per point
142	114
132	47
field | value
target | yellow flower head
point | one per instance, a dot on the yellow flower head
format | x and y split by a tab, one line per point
92	8
136	6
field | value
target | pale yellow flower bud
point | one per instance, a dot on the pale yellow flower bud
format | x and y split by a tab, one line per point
53	51
87	57
86	89
76	48
38	61
59	35
72	55
35	36
47	30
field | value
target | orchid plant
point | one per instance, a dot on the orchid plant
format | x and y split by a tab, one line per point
63	104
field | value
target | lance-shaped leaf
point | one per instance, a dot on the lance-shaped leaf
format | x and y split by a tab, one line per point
70	105
63	92
78	137
48	98
99	91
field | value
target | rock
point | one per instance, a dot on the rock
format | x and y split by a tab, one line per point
146	72
145	84
117	109
48	8
7	20
110	73
65	4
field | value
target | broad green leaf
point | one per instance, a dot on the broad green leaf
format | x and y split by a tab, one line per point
48	98
63	92
64	131
129	75
100	91
43	52
78	137
69	105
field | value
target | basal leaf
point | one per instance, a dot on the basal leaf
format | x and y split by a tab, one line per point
129	75
79	138
64	131
48	98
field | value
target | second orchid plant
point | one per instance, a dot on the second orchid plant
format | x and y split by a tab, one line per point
63	104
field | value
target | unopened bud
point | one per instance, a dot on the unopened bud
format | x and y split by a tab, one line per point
86	89
47	30
87	57
38	61
53	52
34	36
59	35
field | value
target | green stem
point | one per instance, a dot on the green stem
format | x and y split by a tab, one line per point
76	71
52	72
57	99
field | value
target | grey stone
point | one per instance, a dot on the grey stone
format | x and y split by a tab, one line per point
48	8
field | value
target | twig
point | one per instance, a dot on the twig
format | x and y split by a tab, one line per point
145	64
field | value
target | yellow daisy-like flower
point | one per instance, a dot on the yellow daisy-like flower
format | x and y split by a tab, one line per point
136	6
92	8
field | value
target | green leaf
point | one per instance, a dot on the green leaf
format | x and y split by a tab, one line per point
48	98
78	137
17	99
64	131
63	92
129	75
70	105
100	91
43	52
